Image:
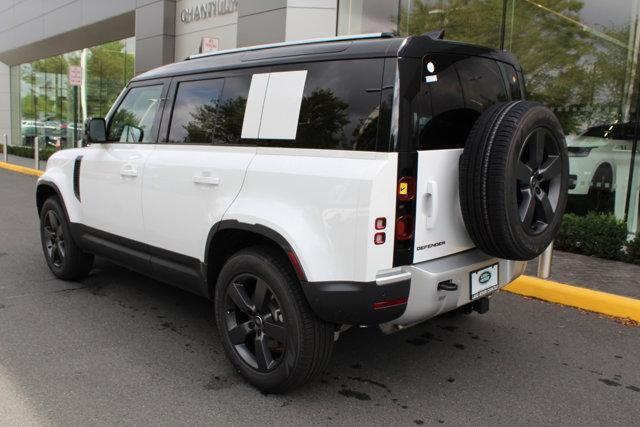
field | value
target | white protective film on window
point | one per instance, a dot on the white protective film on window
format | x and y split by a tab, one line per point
255	102
282	102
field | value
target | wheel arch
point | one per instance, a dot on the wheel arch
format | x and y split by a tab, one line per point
604	165
230	236
46	189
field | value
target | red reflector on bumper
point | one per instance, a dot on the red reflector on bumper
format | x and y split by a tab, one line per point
389	303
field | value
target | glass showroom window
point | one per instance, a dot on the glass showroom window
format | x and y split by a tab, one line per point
580	59
367	16
54	111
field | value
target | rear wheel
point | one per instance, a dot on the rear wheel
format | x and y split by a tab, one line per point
267	328
63	256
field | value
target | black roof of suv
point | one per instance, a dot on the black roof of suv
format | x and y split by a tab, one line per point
369	46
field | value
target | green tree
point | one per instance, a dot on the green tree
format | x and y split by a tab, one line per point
109	68
577	71
322	119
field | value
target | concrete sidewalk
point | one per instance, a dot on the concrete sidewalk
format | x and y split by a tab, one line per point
24	161
614	277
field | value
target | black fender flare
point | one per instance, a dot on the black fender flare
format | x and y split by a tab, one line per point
233	224
50	184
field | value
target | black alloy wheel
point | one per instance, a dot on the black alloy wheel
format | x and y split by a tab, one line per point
268	331
54	239
255	322
64	257
538	174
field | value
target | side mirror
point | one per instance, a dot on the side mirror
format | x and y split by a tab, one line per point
95	130
131	133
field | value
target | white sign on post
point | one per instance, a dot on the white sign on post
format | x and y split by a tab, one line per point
75	75
208	44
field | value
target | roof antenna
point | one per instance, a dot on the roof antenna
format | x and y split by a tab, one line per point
435	35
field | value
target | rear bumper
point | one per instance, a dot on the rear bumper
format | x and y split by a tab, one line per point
426	301
411	290
352	303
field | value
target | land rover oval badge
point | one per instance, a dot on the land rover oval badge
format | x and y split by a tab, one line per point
485	277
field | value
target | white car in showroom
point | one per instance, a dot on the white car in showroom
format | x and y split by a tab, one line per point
599	162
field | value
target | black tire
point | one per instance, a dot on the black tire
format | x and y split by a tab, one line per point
305	342
514	180
63	256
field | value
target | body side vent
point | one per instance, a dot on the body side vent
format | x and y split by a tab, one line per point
76	177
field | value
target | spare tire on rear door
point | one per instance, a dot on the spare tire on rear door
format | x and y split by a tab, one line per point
513	180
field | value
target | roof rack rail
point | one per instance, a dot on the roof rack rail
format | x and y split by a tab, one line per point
293	43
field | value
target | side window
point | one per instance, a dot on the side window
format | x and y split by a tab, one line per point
230	111
194	111
340	106
511	76
482	82
456	90
133	120
443	120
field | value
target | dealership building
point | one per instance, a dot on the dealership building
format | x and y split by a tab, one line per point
579	57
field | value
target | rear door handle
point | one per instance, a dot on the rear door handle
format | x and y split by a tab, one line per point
206	180
129	170
432	204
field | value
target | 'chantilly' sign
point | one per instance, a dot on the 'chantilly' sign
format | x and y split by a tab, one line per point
208	10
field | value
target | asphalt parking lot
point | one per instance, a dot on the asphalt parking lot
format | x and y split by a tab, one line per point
120	348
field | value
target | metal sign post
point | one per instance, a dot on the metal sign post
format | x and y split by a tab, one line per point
36	152
544	262
75	80
5	147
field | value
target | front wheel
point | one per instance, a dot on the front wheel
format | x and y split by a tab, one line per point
266	326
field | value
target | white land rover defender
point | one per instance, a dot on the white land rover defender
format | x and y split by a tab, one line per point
308	186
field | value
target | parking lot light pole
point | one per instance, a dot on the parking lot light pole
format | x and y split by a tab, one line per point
36	151
544	262
5	146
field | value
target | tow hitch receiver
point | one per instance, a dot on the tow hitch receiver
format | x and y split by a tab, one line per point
481	305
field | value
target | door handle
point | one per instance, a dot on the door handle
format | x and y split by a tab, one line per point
432	204
129	170
206	180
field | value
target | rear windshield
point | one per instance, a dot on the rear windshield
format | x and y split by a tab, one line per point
454	91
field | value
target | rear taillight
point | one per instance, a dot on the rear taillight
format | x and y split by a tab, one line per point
406	188
404	228
405	208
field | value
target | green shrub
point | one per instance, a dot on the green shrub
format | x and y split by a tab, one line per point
600	235
633	250
570	233
27	152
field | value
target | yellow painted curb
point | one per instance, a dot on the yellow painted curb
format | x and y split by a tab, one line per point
586	299
21	169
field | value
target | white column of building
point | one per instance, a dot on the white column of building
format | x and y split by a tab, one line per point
155	34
